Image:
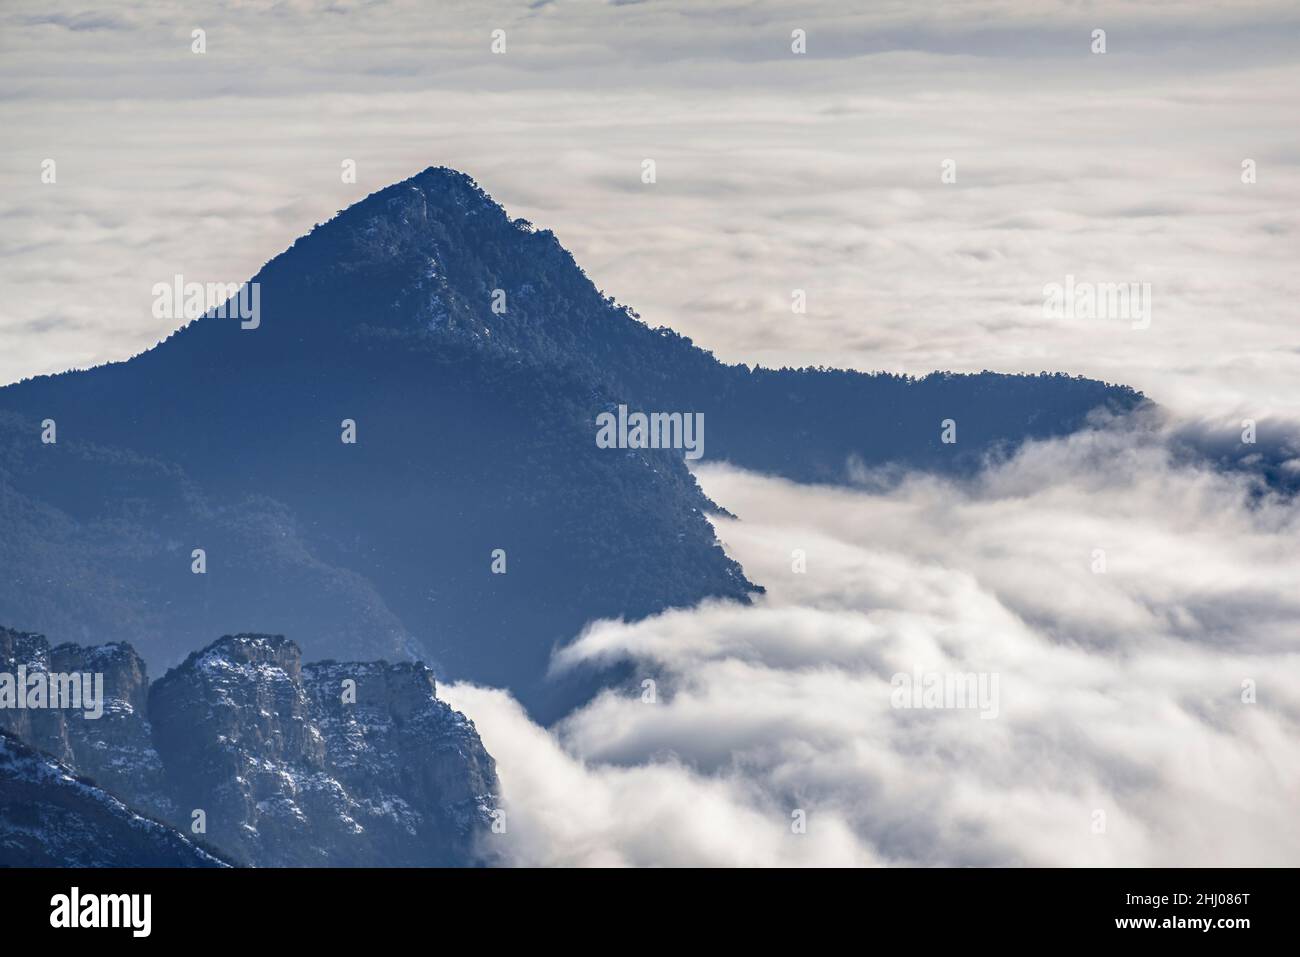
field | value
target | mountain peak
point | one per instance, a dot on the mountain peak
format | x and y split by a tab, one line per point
255	650
445	178
440	192
432	256
436	194
421	393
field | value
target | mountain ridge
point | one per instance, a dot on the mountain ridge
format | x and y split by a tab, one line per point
475	436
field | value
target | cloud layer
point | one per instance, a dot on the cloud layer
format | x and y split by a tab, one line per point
775	172
1120	692
1121	735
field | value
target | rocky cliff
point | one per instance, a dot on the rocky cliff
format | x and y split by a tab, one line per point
115	750
275	763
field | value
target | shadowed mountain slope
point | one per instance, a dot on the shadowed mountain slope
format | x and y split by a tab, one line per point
49	817
475	432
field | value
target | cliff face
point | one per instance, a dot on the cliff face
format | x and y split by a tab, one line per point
331	764
284	765
399	751
116	749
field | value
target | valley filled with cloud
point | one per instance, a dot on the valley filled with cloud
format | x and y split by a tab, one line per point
1131	610
1147	714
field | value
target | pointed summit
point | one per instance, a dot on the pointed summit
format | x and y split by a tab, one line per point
436	256
400	457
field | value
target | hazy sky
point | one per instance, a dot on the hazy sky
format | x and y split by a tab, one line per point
775	171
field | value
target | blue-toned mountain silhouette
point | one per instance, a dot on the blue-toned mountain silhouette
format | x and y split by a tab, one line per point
475	431
50	817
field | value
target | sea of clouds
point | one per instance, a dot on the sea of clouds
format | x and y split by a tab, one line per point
1124	732
776	171
1120	692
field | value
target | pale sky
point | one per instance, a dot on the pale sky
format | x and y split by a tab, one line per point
775	171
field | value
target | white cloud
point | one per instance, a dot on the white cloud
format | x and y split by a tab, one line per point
1119	692
775	172
563	812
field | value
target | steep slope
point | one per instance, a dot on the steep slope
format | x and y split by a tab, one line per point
98	541
51	818
450	255
475	431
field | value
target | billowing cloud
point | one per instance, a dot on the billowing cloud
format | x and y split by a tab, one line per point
1140	617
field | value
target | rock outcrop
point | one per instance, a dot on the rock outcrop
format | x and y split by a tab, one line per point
275	763
116	749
